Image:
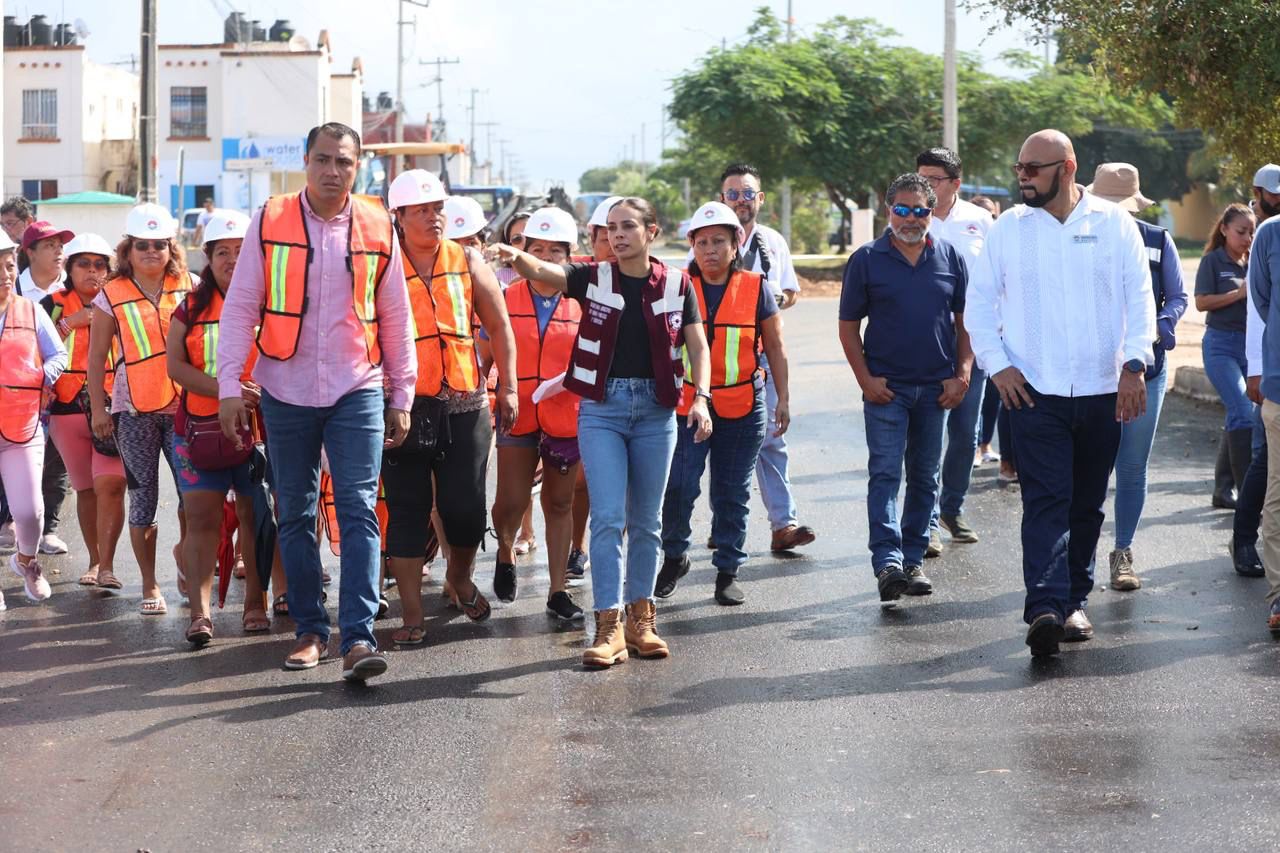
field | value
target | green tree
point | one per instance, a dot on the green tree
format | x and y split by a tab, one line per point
1217	60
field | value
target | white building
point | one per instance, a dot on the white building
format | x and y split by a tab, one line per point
70	124
226	102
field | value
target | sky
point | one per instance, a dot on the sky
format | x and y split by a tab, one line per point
539	66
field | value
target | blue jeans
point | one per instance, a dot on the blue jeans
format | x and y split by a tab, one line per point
962	441
1066	450
351	432
733	447
626	441
907	429
1136	438
771	467
1226	367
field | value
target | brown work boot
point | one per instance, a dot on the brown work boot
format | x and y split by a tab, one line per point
610	646
308	652
641	630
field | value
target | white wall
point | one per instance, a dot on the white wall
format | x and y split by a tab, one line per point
346	100
199	65
60	69
273	93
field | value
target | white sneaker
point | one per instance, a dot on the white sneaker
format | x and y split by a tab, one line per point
8	537
51	544
36	587
2	602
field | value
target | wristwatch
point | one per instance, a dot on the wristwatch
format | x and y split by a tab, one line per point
706	395
1135	365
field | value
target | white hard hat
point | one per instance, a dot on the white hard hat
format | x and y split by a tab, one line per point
553	224
150	220
463	216
600	216
715	213
88	244
225	225
6	245
416	186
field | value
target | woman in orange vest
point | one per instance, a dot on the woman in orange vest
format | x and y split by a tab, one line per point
192	354
741	320
132	313
97	477
31	359
545	326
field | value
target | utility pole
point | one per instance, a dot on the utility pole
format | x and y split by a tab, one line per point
643	168
439	62
950	132
471	140
785	213
502	162
147	110
401	23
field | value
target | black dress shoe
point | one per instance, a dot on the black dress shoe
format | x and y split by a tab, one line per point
1245	558
892	582
673	569
1044	635
917	583
1078	628
504	582
728	592
1224	501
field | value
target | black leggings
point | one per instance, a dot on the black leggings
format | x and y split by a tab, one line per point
460	469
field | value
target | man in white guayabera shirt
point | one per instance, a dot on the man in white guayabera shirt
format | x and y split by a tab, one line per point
1062	318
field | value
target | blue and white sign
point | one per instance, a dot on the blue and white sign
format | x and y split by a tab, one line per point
284	152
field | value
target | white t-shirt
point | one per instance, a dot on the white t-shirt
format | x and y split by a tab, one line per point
27	286
965	228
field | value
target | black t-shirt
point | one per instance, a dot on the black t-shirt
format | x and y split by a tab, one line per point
632	357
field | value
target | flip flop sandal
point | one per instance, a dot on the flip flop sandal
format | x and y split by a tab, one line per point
280	605
200	631
409	636
384	607
89	578
154	606
108	580
473	607
255	621
238	571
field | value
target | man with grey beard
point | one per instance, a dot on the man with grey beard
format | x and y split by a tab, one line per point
912	364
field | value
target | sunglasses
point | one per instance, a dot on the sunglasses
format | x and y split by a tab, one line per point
1033	169
90	264
150	245
904	211
745	195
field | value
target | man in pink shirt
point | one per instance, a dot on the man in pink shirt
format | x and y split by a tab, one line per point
321	273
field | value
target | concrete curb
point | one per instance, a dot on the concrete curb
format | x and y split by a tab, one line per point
1194	383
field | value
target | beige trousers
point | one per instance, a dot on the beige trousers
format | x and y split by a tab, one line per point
1271	506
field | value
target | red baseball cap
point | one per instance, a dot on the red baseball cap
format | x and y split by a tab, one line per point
41	230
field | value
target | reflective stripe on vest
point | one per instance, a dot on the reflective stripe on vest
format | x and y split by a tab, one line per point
68	385
21	372
541	356
734	340
141	328
442	328
202	352
287	254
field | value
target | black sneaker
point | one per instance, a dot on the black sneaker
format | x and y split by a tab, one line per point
892	582
579	562
728	592
561	606
935	544
673	569
504	582
1244	555
1045	633
917	583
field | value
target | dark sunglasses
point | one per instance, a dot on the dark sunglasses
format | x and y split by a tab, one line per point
904	211
745	195
90	264
149	245
1033	169
517	240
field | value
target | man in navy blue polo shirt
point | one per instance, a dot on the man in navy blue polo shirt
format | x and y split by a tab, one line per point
912	365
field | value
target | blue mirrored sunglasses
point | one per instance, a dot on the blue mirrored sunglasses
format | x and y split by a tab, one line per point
734	195
904	211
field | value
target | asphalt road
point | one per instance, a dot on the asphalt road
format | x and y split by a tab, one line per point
807	719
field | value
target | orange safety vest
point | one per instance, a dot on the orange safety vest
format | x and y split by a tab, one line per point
735	343
540	357
67	388
202	352
141	328
443	327
21	373
286	257
329	514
